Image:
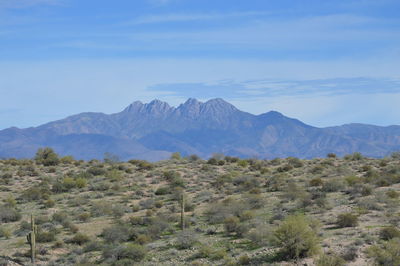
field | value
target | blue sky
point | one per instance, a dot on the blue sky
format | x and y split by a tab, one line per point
324	62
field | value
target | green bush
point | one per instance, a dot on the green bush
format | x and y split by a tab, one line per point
9	214
121	252
80	239
116	233
47	157
386	254
186	239
45	236
333	185
162	191
296	238
347	220
330	260
390	232
316	182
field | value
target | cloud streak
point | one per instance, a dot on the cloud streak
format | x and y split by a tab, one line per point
165	18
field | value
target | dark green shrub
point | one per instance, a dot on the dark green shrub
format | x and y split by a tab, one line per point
116	233
316	182
45	236
9	214
231	224
120	252
347	220
330	260
162	191
393	194
296	238
47	157
388	233
212	161
186	239
386	254
333	186
79	239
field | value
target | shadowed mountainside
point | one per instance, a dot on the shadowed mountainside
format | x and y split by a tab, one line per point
152	131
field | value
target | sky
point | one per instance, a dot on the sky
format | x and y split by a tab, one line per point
326	63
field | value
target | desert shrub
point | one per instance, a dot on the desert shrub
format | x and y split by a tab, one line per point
285	168
231	224
100	208
121	252
96	171
389	232
212	161
116	233
47	157
60	217
92	246
79	239
331	155
162	191
84	216
386	254
347	220
254	201
369	204
292	191
186	239
80	182
67	160
333	185
114	175
147	203
246	183
221	180
260	235
5	232
210	252
353	180
242	163
276	182
295	162
316	182
296	238
49	203
45	236
9	214
392	194
36	193
330	260
218	212
193	158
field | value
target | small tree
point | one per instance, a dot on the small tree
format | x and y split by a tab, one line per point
47	157
296	238
347	220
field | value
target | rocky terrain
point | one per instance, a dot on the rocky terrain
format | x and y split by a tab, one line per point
189	211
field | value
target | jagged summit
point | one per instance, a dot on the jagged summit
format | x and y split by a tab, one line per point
153	130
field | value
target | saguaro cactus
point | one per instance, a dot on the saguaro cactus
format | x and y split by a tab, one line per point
183	211
31	237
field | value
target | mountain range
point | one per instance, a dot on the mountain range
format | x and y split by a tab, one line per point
154	130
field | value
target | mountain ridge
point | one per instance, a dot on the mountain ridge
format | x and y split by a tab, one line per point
154	130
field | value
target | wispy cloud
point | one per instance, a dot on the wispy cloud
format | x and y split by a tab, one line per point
279	88
152	19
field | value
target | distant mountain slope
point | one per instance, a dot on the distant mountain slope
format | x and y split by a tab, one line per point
152	131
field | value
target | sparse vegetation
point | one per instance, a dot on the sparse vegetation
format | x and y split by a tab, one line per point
330	211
